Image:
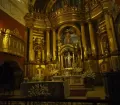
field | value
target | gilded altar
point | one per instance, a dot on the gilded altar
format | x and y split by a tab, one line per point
67	37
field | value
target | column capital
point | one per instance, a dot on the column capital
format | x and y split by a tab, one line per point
30	26
47	29
108	12
89	21
82	22
53	29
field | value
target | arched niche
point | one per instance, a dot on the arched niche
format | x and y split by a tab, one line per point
69	45
64	47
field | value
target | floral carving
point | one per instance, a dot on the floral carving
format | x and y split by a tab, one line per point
39	90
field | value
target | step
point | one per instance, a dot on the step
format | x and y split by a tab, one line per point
78	92
77	86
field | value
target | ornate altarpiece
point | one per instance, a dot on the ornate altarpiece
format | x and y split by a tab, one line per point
74	36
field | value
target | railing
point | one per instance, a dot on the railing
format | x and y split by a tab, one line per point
38	101
11	42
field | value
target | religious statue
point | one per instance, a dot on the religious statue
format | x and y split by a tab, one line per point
67	39
68	60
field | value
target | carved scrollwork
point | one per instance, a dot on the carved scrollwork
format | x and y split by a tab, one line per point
63	15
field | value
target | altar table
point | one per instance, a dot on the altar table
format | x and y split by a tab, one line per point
45	89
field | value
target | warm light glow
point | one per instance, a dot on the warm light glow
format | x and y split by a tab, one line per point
20	1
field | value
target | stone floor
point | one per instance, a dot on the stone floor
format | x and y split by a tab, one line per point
97	92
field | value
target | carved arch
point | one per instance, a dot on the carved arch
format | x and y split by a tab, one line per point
50	4
64	47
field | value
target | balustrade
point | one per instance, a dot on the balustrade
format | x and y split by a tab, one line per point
11	43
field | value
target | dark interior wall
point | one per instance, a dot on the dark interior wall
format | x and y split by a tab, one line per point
117	2
9	57
8	22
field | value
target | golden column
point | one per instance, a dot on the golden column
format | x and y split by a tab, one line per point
39	55
31	50
48	45
112	41
61	61
110	32
25	47
92	39
54	44
31	54
84	43
59	47
43	55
